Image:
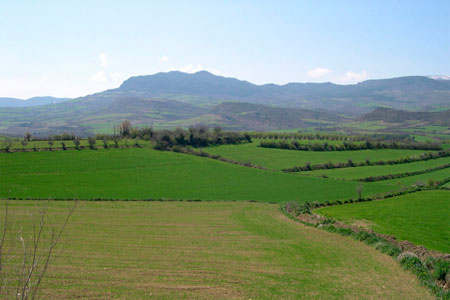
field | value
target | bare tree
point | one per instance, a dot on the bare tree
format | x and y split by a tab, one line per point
7	144
27	136
22	280
359	190
24	143
50	143
91	141
125	128
76	142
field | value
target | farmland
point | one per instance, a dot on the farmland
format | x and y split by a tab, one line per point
366	171
188	224
141	173
210	250
280	158
421	218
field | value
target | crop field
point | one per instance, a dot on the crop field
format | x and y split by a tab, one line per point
209	250
142	173
422	218
280	158
420	179
366	171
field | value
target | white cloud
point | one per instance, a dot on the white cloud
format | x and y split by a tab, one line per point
191	68
164	59
352	77
318	72
99	77
104	59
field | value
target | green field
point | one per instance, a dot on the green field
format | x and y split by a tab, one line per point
422	218
421	178
215	250
366	171
280	158
142	173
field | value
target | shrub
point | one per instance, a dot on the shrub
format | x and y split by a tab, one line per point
91	142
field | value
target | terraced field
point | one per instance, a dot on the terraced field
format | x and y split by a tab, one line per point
366	171
280	158
421	178
142	173
422	218
179	250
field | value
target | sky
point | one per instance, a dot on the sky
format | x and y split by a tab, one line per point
74	48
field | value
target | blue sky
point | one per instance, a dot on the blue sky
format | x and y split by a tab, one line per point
73	48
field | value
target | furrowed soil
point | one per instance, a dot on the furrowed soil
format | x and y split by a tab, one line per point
208	250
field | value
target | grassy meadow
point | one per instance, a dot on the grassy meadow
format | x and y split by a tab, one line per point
141	173
279	158
420	179
209	250
366	171
422	218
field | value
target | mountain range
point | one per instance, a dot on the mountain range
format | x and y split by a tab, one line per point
34	101
180	99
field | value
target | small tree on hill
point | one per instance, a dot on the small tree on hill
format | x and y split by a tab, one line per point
105	143
76	142
24	143
50	143
91	141
125	128
27	136
359	190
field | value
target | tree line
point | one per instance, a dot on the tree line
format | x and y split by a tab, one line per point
348	146
331	137
198	136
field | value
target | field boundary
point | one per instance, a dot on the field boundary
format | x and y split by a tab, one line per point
417	259
350	164
401	175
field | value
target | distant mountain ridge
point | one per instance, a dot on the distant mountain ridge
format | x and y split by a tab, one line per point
34	101
180	99
409	93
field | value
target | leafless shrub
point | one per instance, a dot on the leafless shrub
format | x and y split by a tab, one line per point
25	256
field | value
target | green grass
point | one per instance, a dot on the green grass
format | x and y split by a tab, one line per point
142	173
148	250
422	217
363	172
280	158
422	178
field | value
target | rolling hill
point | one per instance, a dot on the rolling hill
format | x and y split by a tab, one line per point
35	101
181	99
389	115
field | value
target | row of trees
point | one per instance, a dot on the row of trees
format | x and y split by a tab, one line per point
198	136
347	146
332	137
